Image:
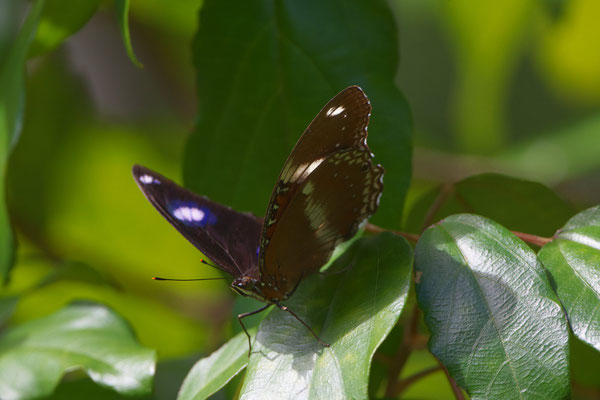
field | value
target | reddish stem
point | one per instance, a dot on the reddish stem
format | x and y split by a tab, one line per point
455	389
405	383
526	237
533	239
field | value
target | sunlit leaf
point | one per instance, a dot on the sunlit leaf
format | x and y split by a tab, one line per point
168	378
212	373
263	74
122	7
34	355
573	259
12	100
156	324
353	310
495	321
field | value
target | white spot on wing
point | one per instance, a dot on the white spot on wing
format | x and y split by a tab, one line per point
147	179
333	111
188	214
305	169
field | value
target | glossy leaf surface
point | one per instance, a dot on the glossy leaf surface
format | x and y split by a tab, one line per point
573	259
353	310
34	355
265	72
495	321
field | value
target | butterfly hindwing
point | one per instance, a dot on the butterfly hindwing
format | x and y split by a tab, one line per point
227	237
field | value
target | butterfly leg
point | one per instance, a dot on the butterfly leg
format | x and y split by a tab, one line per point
284	308
244	315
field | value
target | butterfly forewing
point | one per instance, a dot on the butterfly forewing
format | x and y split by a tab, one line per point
227	237
340	125
327	209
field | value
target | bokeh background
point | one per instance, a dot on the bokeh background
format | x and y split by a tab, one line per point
510	87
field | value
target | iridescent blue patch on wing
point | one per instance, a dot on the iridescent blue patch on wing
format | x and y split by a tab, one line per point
189	213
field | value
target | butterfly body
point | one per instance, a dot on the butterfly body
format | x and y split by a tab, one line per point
327	188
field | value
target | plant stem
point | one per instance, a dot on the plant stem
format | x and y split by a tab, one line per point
405	383
445	192
397	362
533	239
377	229
455	389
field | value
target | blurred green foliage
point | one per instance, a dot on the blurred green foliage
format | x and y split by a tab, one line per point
511	87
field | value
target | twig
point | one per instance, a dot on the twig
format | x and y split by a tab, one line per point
405	383
377	229
445	191
397	362
533	239
526	237
455	389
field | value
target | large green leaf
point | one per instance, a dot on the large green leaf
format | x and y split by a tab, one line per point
12	100
34	355
263	74
212	373
573	259
518	204
494	319
59	20
353	310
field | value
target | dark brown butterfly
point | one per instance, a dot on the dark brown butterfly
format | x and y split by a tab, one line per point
327	188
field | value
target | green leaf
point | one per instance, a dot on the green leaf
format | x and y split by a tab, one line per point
573	259
212	373
353	310
34	355
122	8
59	20
167	379
263	74
518	204
12	100
494	319
584	366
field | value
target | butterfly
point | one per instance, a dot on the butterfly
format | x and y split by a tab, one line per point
327	188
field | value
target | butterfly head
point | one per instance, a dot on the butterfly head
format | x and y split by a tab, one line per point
247	286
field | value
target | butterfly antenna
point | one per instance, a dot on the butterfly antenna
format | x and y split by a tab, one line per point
203	261
158	278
